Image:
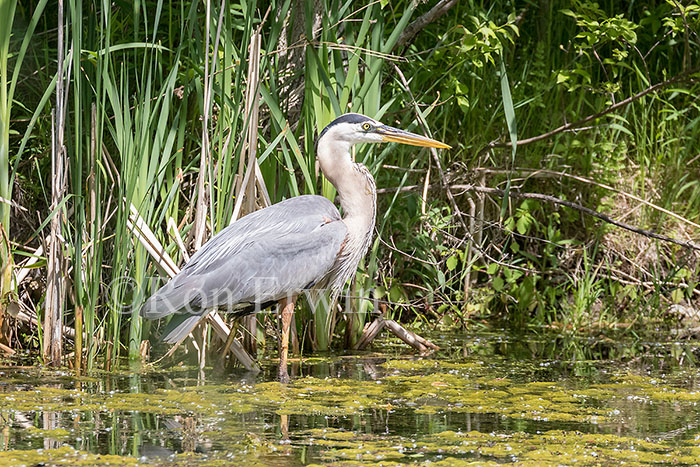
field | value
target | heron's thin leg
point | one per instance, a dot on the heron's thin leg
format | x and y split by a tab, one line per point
287	311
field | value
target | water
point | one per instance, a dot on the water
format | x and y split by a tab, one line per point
483	399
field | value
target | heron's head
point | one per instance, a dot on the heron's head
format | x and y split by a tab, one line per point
355	128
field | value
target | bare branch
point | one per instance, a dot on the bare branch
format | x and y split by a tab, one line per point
583	121
408	34
555	200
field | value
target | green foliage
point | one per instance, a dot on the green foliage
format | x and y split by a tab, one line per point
684	18
482	40
615	35
486	78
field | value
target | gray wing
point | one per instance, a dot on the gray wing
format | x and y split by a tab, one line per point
263	257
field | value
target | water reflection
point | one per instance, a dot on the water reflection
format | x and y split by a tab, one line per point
390	404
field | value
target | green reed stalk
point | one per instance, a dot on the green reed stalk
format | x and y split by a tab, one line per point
7	14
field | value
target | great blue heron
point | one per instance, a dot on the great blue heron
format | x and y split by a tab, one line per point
300	244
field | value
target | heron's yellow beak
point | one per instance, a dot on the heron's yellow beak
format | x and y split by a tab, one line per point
395	135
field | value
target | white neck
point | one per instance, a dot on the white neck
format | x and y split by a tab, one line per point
357	194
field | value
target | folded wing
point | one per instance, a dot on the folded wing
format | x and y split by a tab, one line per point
263	257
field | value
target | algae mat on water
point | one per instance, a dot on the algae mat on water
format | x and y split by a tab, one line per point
375	410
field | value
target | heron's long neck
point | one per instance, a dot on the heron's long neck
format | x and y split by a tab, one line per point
355	185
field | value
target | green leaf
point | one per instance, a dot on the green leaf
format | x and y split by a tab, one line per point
441	278
463	103
509	111
498	284
677	296
523	224
452	262
617	126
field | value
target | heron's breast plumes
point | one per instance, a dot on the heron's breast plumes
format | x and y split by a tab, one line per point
359	220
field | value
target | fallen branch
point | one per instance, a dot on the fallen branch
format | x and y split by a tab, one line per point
7	349
235	346
410	338
23	317
15	205
648	285
150	242
372	331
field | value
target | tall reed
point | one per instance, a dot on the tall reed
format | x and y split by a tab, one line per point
7	14
140	88
155	114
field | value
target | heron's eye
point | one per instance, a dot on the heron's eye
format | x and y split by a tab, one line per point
366	126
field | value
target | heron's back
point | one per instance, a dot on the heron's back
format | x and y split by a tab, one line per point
265	256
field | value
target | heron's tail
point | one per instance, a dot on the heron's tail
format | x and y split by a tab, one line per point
151	310
164	302
180	326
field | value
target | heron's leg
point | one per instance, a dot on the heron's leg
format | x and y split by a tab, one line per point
287	311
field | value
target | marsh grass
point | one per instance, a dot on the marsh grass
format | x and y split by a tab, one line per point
158	104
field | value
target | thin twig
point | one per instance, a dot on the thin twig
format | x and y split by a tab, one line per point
589	181
555	200
13	204
408	255
589	118
433	152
